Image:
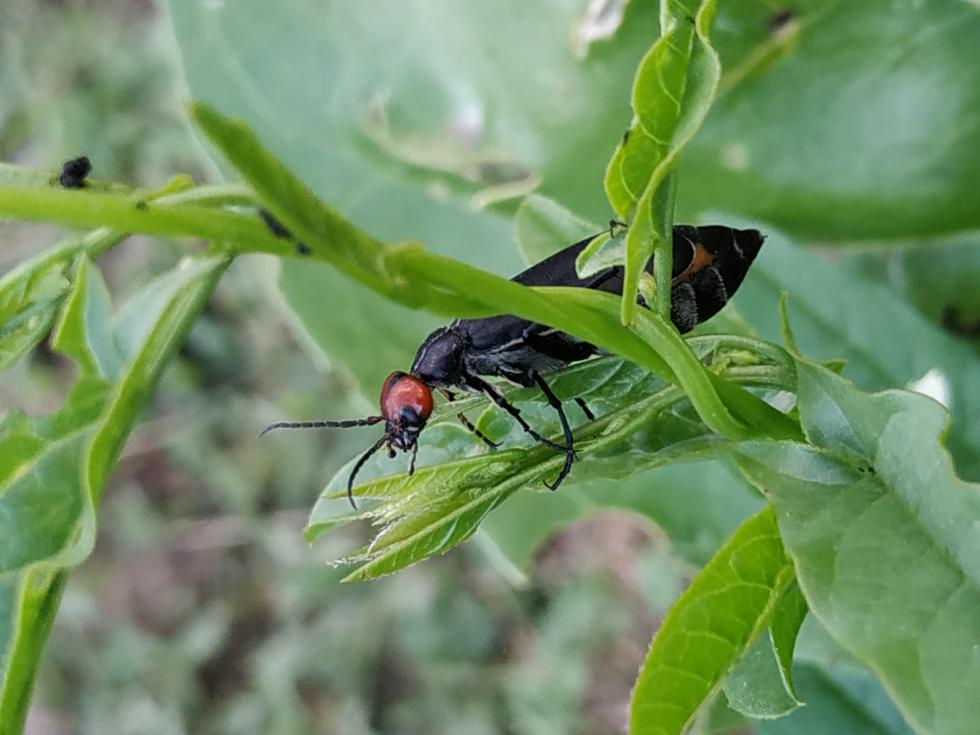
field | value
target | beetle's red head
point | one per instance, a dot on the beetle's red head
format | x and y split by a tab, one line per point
406	403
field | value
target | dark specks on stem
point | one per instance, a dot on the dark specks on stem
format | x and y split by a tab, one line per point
780	19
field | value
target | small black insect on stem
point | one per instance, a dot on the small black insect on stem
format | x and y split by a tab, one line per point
278	229
780	19
953	321
74	171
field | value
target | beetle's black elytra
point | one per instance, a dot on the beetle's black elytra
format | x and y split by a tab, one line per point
709	264
74	171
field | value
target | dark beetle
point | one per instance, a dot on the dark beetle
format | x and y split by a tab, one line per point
709	265
74	171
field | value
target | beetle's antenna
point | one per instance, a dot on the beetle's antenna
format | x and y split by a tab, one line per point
360	463
369	421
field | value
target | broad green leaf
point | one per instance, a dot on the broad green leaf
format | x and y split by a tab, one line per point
940	278
761	684
53	469
835	704
450	113
808	121
884	341
841	694
834	125
715	621
884	539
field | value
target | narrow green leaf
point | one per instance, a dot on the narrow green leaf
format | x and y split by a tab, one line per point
348	248
786	623
185	292
884	539
673	90
323	230
710	627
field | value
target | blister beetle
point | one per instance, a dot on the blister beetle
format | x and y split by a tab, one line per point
709	265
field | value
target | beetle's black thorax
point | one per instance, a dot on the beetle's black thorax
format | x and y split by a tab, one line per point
439	361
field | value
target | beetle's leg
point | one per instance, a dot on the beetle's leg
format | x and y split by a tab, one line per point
566	429
497	397
585	409
479	434
411	464
450	396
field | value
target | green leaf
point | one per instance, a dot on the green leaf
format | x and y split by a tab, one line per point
812	130
884	341
674	87
884	539
729	603
836	702
179	297
697	504
84	331
32	294
761	684
53	469
803	133
939	278
350	335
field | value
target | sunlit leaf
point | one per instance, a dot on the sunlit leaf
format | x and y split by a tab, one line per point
728	604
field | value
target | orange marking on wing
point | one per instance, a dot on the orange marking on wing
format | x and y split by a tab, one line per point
701	260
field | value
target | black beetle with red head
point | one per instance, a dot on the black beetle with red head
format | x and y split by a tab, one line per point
709	264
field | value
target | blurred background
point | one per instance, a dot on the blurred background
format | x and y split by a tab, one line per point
202	609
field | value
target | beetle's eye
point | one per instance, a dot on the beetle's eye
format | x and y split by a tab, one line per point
409	416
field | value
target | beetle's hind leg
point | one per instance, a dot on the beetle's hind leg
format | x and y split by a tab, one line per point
585	409
479	434
566	429
477	383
